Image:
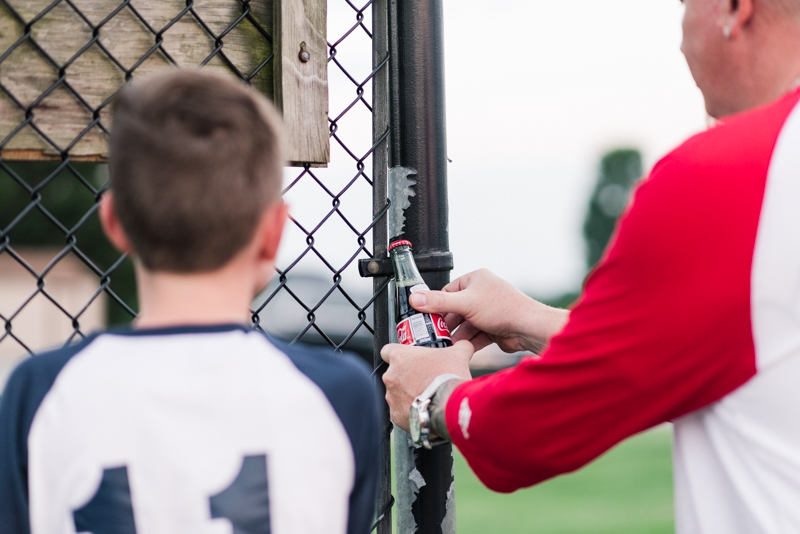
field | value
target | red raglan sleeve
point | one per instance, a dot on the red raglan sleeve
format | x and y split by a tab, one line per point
662	328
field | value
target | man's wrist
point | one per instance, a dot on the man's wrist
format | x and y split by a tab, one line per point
438	408
539	324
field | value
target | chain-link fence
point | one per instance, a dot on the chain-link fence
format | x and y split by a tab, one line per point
59	277
49	231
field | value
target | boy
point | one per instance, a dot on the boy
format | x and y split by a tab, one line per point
190	422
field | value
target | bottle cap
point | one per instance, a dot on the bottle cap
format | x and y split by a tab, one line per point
399	243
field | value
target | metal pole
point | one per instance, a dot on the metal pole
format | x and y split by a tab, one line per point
380	238
418	143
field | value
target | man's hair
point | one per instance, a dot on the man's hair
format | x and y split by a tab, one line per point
195	159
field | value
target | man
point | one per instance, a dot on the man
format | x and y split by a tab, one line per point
191	421
693	315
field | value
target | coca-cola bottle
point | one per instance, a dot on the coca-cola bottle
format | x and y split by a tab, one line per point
414	327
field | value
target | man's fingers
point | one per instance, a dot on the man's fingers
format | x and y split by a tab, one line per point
438	302
481	341
455	286
395	415
465	351
459	284
386	353
465	332
453	320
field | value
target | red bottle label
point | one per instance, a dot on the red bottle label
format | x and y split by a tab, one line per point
440	326
414	330
404	335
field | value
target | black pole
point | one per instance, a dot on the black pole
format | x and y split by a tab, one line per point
418	142
380	126
420	121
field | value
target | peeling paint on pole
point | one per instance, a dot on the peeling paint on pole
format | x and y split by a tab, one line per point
405	452
449	521
409	480
400	193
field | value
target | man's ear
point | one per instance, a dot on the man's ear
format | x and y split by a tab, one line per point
737	15
111	225
270	230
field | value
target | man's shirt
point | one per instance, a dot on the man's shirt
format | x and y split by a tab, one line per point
188	430
693	316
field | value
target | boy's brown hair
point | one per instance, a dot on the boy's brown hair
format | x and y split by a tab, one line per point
195	159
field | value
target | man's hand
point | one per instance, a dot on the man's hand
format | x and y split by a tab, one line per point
487	309
412	369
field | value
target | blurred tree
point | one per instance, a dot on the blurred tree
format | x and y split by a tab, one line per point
619	170
563	301
68	194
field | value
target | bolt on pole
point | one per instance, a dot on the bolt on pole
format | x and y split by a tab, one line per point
418	144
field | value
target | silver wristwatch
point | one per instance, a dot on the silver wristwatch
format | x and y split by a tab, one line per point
419	417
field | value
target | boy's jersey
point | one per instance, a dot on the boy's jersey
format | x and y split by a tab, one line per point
693	316
201	430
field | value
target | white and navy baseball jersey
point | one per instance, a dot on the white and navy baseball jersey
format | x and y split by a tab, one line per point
692	316
201	430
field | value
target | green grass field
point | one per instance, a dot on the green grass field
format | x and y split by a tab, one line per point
626	491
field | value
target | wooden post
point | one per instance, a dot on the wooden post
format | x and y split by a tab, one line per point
301	80
43	116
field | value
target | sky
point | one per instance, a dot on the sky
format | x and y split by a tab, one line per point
536	92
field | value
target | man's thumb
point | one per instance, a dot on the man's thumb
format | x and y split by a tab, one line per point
434	302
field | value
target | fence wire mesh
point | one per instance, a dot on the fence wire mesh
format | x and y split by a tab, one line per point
61	65
48	209
59	277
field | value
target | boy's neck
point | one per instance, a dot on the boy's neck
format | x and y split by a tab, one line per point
175	299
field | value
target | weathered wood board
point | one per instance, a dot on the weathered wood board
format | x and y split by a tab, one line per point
134	40
301	75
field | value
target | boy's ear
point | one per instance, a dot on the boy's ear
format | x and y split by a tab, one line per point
270	230
111	225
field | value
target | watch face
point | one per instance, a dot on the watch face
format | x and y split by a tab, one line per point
413	423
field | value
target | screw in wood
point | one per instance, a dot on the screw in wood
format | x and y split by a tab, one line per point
304	54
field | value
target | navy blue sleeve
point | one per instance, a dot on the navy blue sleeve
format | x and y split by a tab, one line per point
345	379
24	392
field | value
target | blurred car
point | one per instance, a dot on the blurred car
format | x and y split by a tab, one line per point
324	306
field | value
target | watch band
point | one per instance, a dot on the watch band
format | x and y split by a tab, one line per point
419	415
436	384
